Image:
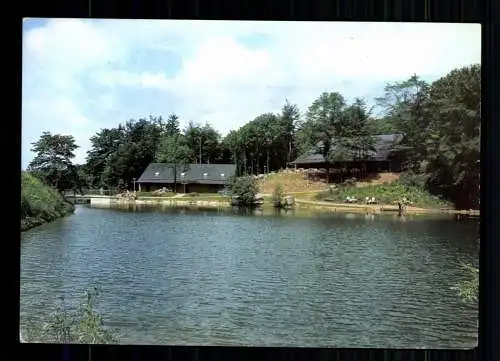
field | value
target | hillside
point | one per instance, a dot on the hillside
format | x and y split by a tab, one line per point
40	203
293	181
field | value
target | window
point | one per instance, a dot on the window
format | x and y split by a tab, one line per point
157	174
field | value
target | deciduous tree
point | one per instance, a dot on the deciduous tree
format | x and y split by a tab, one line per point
53	160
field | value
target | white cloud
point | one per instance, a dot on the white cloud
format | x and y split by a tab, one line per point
222	80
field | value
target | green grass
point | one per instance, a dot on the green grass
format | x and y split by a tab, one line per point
384	194
40	203
205	197
153	194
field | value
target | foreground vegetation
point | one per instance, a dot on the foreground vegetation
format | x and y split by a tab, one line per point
469	289
83	325
384	194
40	203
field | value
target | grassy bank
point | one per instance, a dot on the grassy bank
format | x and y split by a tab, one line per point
155	194
40	203
384	194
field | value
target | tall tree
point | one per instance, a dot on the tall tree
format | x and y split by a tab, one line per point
211	150
103	144
121	154
355	129
290	115
174	152
304	137
231	143
203	141
403	103
194	141
326	117
122	166
453	135
172	125
53	160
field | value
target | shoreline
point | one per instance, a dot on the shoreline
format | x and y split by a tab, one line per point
299	203
34	222
383	208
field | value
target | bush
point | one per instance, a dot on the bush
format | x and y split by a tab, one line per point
193	194
245	189
84	325
412	179
40	203
468	290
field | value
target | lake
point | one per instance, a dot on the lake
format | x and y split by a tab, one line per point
223	278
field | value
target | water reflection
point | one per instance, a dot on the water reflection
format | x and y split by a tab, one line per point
271	211
265	277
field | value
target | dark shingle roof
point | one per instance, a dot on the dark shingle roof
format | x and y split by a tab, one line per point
194	173
383	145
310	157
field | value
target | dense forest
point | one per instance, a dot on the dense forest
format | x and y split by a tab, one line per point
440	122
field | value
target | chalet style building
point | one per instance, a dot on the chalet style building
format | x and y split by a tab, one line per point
199	178
380	158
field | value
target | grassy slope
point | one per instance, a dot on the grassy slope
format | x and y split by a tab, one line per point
291	182
40	203
384	187
385	194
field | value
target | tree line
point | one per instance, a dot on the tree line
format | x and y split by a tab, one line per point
440	123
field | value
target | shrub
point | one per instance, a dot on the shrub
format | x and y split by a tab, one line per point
84	325
468	290
40	202
413	179
245	189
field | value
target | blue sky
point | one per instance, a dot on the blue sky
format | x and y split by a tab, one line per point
80	76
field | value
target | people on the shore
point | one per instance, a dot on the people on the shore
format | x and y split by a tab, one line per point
402	205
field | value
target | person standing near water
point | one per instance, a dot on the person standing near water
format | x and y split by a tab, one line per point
402	203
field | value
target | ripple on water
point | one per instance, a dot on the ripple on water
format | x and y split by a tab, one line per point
170	278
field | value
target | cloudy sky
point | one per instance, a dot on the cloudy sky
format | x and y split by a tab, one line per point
83	75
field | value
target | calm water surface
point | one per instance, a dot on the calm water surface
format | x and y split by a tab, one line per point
208	278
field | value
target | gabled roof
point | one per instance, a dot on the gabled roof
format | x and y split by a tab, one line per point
383	145
193	173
